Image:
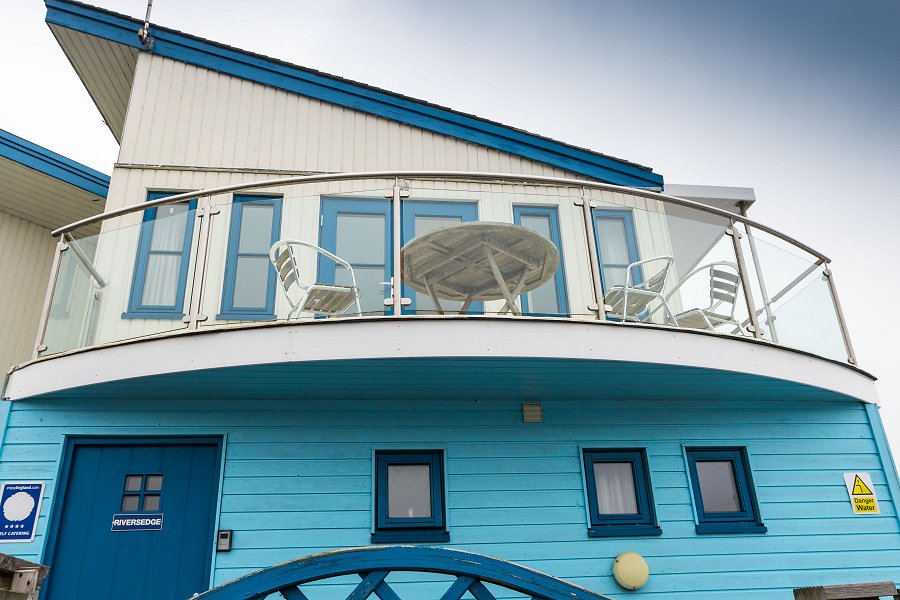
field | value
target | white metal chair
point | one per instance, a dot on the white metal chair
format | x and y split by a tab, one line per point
724	284
631	302
317	298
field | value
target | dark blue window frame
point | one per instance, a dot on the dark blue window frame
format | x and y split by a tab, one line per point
229	311
423	529
746	520
559	277
136	308
641	523
331	208
627	219
466	211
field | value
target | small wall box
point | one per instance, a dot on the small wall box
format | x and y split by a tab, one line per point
223	540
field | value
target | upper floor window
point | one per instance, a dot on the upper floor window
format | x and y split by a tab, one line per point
248	291
616	246
550	298
723	491
409	497
161	266
620	499
359	231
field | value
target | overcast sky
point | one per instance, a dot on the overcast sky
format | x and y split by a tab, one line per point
797	99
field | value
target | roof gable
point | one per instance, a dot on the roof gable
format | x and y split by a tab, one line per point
122	30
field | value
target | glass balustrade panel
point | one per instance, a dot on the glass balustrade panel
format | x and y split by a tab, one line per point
131	280
472	248
792	297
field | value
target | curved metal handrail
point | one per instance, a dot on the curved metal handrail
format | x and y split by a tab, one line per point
438	175
373	564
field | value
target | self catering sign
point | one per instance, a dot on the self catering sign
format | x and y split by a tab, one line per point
862	493
20	505
137	522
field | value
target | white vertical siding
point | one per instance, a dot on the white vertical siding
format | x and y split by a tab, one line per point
180	114
26	253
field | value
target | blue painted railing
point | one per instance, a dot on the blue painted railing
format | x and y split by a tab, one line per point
374	564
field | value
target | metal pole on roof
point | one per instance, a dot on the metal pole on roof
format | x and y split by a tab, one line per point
144	33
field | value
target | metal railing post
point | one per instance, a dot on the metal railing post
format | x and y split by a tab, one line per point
763	290
829	277
398	192
745	279
205	213
39	346
599	307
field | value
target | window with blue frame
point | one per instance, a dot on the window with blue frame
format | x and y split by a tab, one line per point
723	491
550	298
248	290
359	231
161	266
409	496
421	217
620	498
616	246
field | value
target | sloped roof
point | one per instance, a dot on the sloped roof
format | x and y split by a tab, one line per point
46	188
103	47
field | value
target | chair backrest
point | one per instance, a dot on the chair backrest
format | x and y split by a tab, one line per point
656	283
283	255
724	283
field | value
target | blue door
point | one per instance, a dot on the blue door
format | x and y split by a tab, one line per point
420	217
136	521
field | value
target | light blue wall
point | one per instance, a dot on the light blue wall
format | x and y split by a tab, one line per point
298	479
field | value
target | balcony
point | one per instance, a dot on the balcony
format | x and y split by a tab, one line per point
546	250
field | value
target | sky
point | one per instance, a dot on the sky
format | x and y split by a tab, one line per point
799	99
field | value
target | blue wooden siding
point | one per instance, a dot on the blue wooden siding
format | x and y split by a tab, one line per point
298	477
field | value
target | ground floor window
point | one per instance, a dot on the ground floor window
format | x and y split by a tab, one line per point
409	497
723	491
620	499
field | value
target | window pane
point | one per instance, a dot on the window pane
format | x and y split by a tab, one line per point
613	243
615	488
409	491
251	282
360	238
154	483
168	227
538	223
133	483
368	280
130	503
256	228
425	223
613	276
161	280
717	486
151	503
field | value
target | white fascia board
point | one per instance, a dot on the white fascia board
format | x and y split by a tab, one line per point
411	337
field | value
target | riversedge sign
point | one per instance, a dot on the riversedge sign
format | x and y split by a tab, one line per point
137	522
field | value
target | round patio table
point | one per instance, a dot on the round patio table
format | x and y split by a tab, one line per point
478	261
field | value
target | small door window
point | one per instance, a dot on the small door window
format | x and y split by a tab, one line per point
142	493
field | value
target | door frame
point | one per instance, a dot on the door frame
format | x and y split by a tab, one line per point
71	442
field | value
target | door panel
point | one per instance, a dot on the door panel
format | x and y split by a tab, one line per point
90	561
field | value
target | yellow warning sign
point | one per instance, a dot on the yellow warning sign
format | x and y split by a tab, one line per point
862	494
860	488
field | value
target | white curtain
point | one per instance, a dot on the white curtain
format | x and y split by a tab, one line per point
615	488
164	261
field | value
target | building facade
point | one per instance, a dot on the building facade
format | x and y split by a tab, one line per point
573	364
